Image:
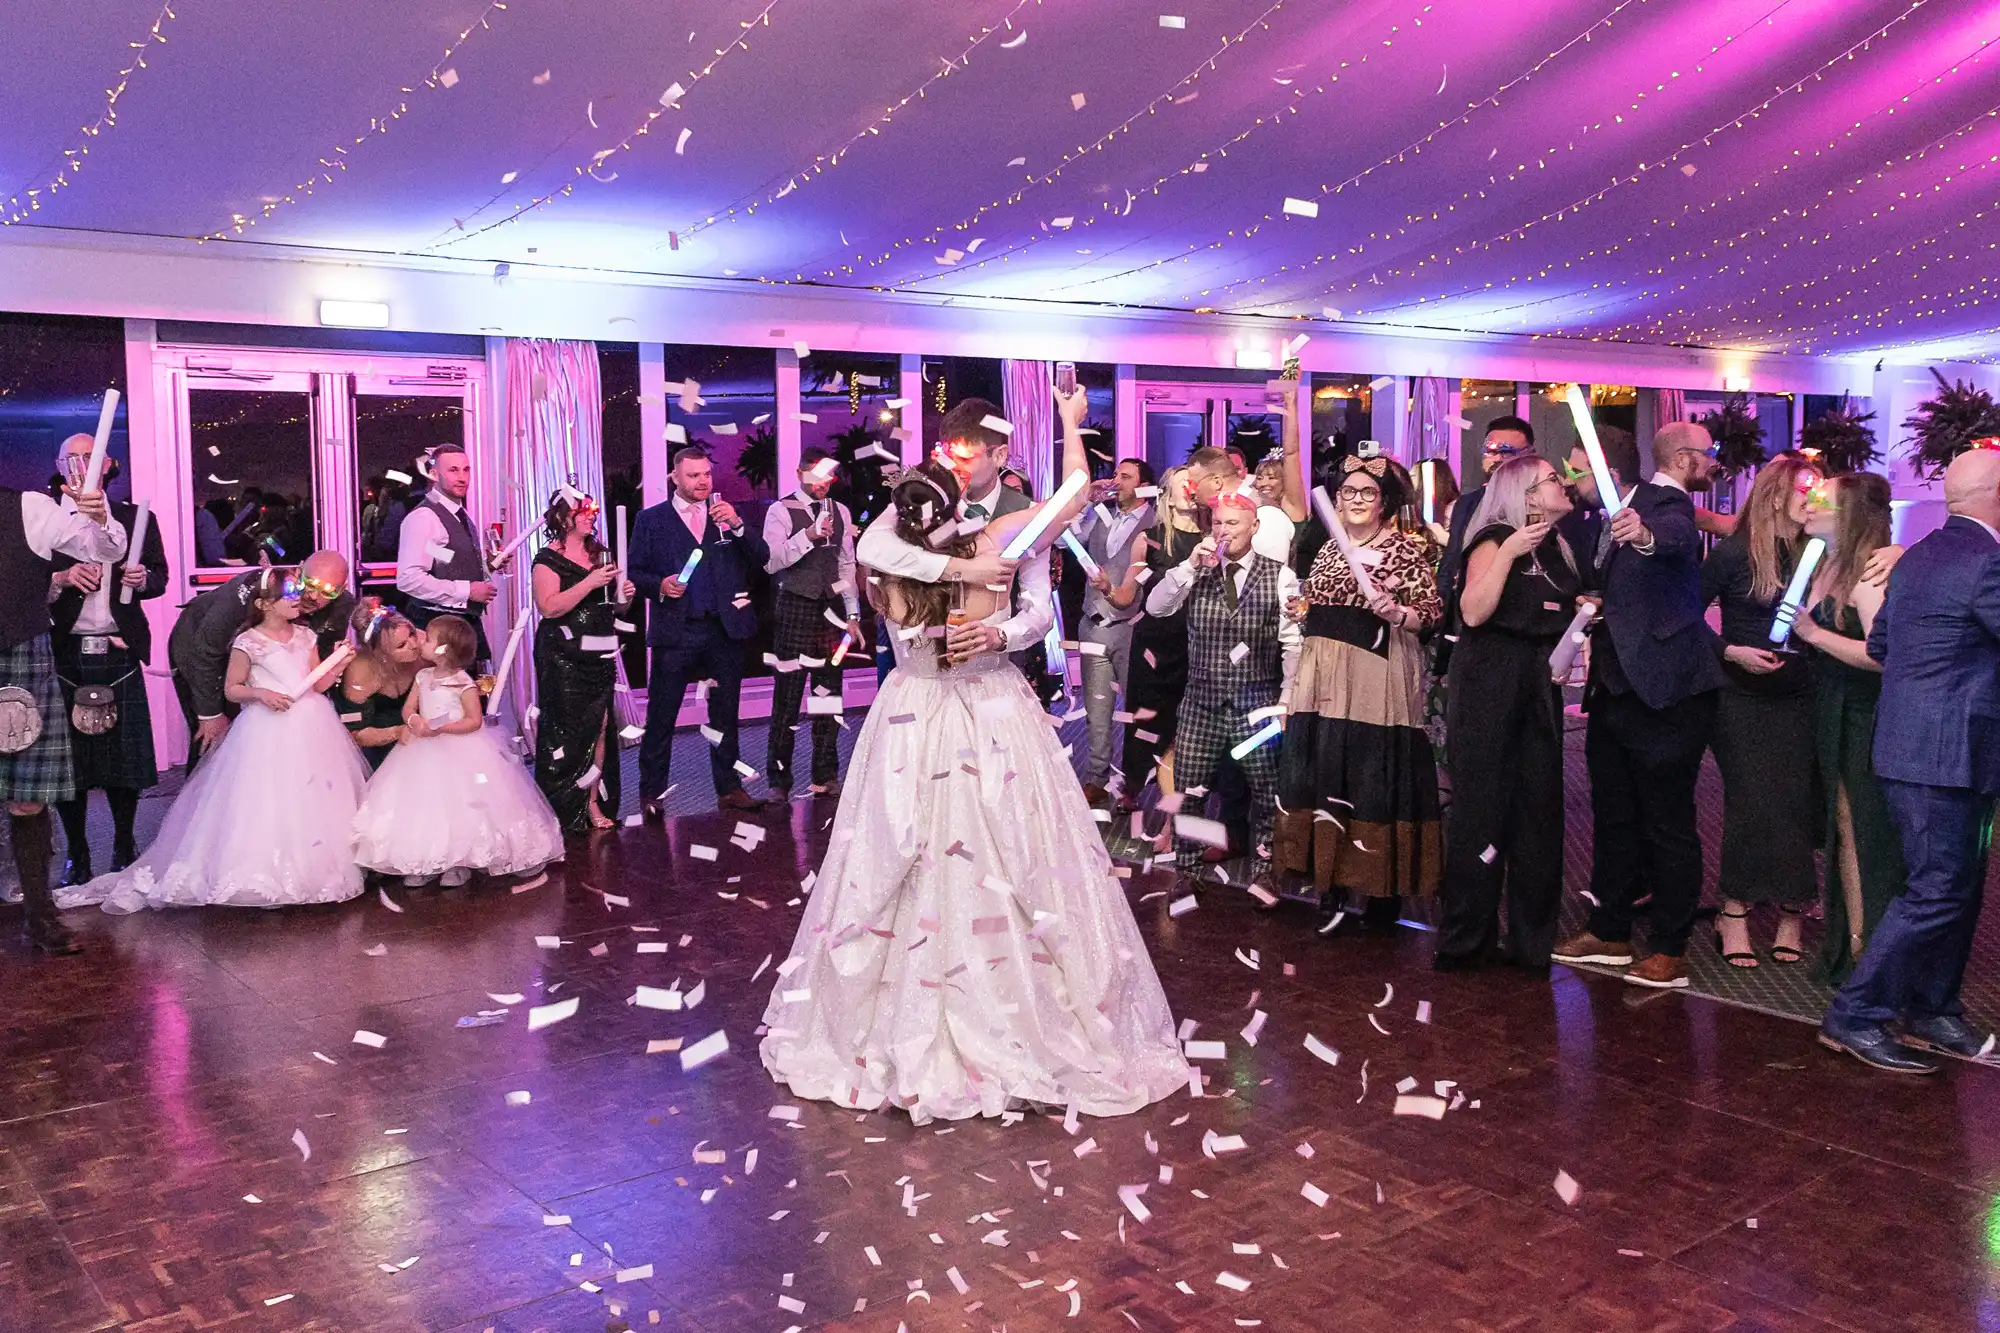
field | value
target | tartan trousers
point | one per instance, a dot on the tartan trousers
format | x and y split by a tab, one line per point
803	629
1203	735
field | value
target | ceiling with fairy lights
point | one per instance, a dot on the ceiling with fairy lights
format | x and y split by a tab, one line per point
1807	176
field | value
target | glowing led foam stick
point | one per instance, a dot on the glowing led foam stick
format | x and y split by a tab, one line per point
93	477
1082	556
840	649
334	661
506	664
687	570
1348	551
1563	659
1268	732
619	597
1024	540
510	548
1430	477
1586	430
135	548
1795	592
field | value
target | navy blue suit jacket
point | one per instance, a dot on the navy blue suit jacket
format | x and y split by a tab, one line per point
661	544
1653	608
1938	640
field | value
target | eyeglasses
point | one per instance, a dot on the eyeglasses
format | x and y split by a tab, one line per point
1359	493
1503	450
1544	481
1712	452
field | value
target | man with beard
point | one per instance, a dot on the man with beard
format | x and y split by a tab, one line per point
1651	698
198	648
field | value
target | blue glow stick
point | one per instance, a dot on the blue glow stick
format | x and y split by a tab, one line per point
687	570
1268	732
1082	556
1600	470
1795	592
1024	540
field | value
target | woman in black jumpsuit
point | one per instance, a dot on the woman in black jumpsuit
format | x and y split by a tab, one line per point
1503	735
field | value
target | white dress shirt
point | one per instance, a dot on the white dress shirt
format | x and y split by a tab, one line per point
1170	593
418	544
788	548
95	617
881	549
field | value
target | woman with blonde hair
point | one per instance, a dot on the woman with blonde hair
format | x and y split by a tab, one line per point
1159	643
1864	851
1504	742
1763	738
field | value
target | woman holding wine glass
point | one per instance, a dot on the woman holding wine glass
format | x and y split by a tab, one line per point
577	590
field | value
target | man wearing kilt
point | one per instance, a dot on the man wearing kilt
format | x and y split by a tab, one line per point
1243	651
35	766
811	537
101	640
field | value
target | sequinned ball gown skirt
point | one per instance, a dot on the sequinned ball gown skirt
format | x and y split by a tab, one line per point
965	945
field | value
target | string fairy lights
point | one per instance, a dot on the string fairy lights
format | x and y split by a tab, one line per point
28	198
441	75
826	162
670	99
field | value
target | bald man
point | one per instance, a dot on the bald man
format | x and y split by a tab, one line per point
198	649
1937	754
1651	697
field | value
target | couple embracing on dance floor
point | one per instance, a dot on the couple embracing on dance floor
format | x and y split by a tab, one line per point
965	949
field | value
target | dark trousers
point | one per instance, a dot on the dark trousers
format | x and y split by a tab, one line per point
1643	766
193	719
1505	830
421	614
701	652
802	630
1916	959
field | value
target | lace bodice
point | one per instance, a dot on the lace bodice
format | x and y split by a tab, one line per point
274	665
917	654
438	695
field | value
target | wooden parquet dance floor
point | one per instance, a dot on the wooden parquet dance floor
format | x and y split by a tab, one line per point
192	1137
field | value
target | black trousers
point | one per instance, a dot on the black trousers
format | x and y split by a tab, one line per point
1503	746
1643	766
702	651
802	629
193	719
421	614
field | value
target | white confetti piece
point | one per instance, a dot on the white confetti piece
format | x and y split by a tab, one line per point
1429	1107
519	1098
280	1300
701	853
635	1274
1228	1279
1423	1011
541	1015
714	1044
1303	208
680	144
1076	101
387	901
363	1037
1322	1050
1172	21
1567	1189
1314	1195
299	1142
555	1219
504	999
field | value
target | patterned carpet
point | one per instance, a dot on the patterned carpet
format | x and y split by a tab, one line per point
1784	990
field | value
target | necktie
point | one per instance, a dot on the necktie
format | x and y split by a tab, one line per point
1230	580
976	510
465	521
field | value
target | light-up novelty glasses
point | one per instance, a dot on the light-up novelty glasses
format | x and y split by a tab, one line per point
302	583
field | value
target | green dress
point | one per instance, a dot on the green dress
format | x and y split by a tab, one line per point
1845	734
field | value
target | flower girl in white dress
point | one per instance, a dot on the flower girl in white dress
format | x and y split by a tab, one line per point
264	821
450	800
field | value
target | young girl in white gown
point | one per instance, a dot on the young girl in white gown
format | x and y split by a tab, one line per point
265	820
965	947
449	800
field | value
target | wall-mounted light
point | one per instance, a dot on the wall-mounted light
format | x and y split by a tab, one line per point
354	314
1250	358
1736	383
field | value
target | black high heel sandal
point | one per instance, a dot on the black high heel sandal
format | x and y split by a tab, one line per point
1746	960
1785	953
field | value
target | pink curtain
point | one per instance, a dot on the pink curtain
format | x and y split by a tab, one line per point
1430	430
1031	407
1669	406
552	432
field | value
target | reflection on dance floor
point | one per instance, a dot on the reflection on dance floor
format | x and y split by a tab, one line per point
191	1136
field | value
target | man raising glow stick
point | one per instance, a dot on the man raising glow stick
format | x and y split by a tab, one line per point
1600	468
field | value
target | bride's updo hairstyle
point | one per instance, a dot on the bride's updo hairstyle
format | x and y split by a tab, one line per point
926	500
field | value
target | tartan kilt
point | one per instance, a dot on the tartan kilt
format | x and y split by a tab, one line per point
41	773
122	756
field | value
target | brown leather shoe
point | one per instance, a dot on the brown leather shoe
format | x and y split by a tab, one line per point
1585	947
1662	971
739	800
1095	795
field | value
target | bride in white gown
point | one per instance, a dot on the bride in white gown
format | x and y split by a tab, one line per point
965	947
